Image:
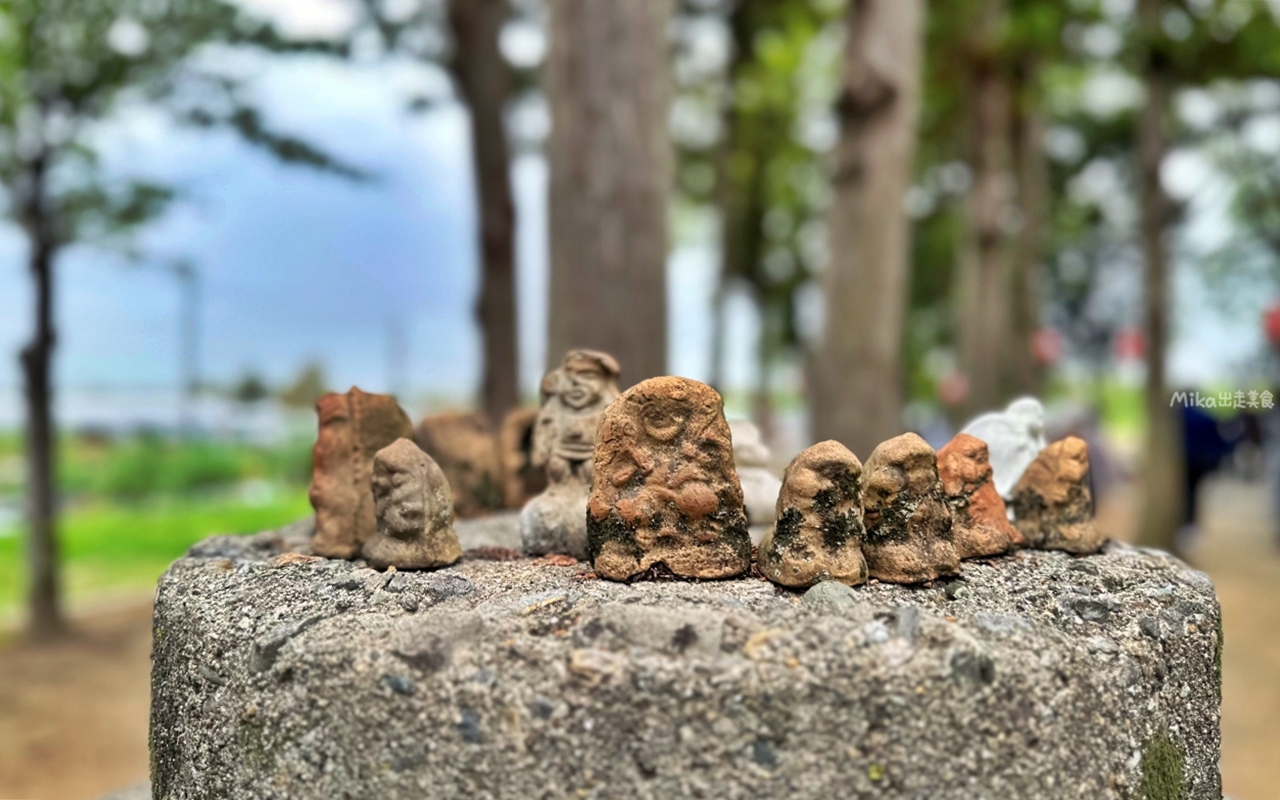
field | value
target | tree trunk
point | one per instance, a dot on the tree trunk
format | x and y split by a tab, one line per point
983	287
1027	373
856	381
486	84
45	597
609	153
1162	472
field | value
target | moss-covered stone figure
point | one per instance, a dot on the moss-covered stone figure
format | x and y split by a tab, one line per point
1052	504
908	523
664	491
817	535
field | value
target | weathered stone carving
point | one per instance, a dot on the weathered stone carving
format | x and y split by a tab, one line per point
818	532
760	486
574	398
1052	504
415	511
664	489
352	428
979	521
908	524
521	480
1014	438
466	449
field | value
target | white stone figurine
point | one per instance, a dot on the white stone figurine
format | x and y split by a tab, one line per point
760	486
1014	438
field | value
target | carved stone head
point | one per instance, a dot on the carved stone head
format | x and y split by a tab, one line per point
414	508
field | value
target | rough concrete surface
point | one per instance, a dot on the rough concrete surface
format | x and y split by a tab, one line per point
1034	675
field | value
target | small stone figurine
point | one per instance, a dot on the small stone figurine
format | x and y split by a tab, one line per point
908	537
1052	503
574	398
980	523
1014	438
664	492
818	533
353	427
760	486
414	509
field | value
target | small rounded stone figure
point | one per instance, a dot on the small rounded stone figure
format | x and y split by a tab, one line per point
980	523
352	428
818	533
574	398
908	524
415	511
1014	438
1052	503
664	492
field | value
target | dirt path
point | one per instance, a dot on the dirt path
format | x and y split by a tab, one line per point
73	719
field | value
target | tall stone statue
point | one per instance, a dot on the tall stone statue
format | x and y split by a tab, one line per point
353	427
414	509
1014	438
574	398
664	492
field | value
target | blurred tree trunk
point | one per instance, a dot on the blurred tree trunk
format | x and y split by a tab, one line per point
984	278
486	84
1027	374
1162	479
45	613
610	156
856	377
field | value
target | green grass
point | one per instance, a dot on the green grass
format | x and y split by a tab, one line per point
113	546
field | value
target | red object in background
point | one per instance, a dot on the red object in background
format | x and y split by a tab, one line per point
1046	346
953	389
1130	344
1271	325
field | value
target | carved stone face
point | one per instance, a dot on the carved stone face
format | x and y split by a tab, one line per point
400	493
664	419
582	383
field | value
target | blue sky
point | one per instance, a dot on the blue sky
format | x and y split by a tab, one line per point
297	266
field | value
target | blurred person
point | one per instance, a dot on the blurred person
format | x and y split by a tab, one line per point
1204	447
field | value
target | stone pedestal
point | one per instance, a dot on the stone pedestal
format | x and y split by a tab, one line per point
1039	674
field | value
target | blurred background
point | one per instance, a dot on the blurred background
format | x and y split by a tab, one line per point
852	217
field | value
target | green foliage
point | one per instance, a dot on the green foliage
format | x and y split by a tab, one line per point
306	389
111	547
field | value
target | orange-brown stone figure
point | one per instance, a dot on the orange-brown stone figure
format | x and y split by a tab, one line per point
353	428
1052	504
817	534
521	480
664	491
908	524
414	509
466	449
979	520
